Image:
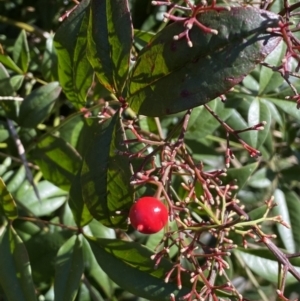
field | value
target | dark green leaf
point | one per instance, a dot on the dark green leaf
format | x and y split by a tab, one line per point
105	175
75	72
9	107
42	243
37	106
15	271
68	269
49	64
240	175
110	38
94	272
21	53
7	203
72	129
118	258
81	214
202	123
170	77
58	161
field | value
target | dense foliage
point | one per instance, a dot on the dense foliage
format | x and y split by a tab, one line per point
194	104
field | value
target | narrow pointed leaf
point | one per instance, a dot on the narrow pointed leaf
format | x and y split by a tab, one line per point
110	37
259	112
68	269
282	209
287	106
51	198
268	79
49	65
75	72
37	106
118	258
240	175
264	264
170	77
105	175
15	272
81	214
9	63
58	161
21	53
7	202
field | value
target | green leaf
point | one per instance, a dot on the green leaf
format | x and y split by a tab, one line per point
105	175
15	271
118	258
21	53
292	203
258	112
4	132
81	214
51	199
288	107
110	37
9	63
94	272
75	72
37	106
42	243
68	269
262	178
263	263
240	175
9	107
268	79
142	38
49	65
7	202
202	123
58	161
17	81
18	178
170	77
282	209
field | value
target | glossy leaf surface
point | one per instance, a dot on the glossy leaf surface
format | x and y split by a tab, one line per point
7	203
75	72
105	175
60	172
110	38
81	214
21	52
15	271
170	77
118	258
68	269
37	106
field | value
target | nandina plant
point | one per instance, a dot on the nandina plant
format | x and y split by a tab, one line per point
175	177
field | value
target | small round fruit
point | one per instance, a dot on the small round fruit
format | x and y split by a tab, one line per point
148	215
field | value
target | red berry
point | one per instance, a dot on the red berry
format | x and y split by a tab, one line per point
148	215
